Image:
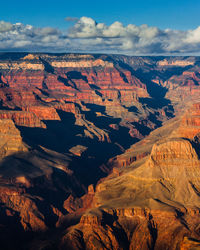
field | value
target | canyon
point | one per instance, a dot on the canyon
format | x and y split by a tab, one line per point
99	151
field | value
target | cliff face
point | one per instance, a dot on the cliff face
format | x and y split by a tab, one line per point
94	132
185	125
22	118
131	229
48	81
142	204
11	140
153	203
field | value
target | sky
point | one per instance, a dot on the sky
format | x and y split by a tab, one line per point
128	26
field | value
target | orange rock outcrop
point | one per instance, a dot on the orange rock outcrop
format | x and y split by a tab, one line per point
11	140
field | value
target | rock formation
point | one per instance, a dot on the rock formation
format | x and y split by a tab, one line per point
11	140
99	151
154	205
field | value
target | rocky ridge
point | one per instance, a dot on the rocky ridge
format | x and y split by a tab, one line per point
152	203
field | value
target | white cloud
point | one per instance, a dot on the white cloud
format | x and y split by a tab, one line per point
86	35
5	26
193	36
21	44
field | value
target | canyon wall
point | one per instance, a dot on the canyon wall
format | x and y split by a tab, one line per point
99	151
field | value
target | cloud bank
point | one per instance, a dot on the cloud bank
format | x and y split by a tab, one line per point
86	35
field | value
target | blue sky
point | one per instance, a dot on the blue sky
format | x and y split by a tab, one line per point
137	27
177	14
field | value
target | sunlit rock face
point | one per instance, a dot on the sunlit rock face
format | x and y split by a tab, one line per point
153	194
146	204
100	151
11	140
175	62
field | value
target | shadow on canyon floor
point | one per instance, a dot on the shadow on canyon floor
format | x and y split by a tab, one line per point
62	135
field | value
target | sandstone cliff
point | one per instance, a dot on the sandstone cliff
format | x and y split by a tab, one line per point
11	140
